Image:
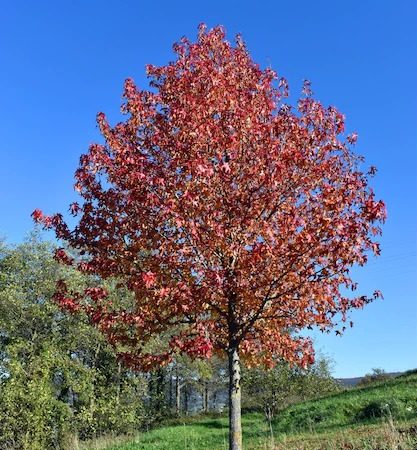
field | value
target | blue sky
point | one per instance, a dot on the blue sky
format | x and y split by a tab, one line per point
62	62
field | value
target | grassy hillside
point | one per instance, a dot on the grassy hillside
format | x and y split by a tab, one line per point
379	416
396	398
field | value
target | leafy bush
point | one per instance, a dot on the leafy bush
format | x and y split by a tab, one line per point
31	417
58	378
375	376
380	408
273	390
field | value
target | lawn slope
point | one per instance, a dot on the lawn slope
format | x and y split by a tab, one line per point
380	416
394	398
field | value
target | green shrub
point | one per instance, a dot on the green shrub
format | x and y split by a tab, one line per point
31	418
380	408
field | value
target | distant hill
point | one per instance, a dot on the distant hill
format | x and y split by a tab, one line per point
350	382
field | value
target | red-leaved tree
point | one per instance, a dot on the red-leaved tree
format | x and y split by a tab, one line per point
232	217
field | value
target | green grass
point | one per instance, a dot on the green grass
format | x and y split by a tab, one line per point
206	433
395	398
380	416
210	432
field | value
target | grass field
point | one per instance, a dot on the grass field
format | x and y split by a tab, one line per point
380	416
395	398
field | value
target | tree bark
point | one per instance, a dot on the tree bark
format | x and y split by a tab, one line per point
160	389
206	398
171	395
235	420
119	382
186	400
177	393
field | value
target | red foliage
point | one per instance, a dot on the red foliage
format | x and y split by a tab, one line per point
223	209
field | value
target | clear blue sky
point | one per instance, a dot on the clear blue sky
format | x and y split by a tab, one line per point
62	62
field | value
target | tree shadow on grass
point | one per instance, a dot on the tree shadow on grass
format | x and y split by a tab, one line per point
213	424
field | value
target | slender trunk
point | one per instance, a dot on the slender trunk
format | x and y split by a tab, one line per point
206	398
270	415
119	382
160	379
178	393
235	422
171	403
186	400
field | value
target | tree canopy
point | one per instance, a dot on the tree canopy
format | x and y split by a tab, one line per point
232	217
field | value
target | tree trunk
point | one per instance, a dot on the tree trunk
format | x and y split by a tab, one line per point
119	382
177	393
171	384
186	396
235	422
206	398
160	379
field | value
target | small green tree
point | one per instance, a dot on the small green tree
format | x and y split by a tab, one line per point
274	389
377	374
